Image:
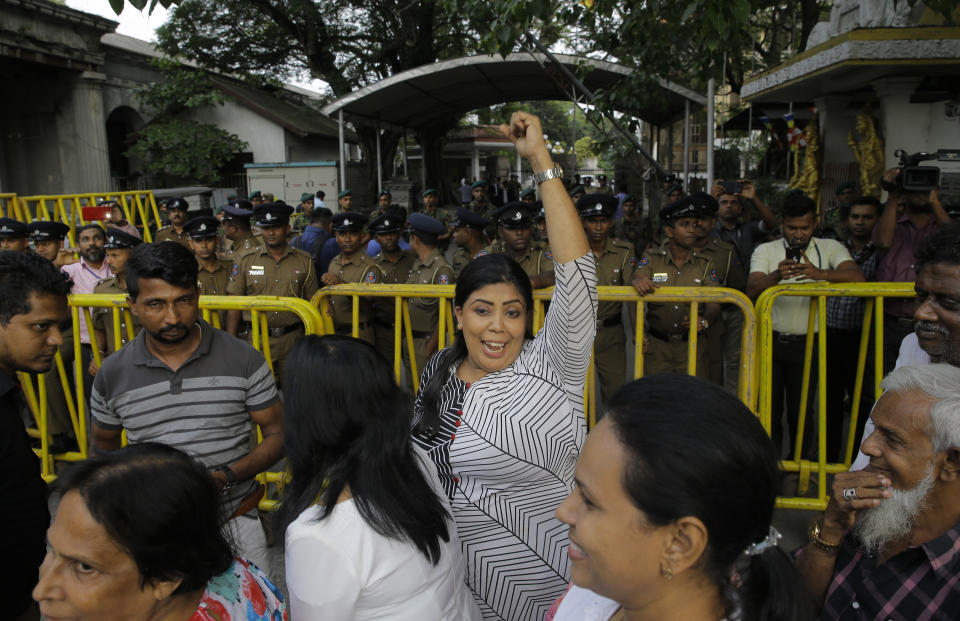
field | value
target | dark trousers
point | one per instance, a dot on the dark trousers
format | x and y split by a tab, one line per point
894	331
785	385
843	350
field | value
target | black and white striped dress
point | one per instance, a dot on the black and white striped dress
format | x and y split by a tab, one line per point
506	450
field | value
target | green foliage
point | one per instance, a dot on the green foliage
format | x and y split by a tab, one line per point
584	148
180	89
175	148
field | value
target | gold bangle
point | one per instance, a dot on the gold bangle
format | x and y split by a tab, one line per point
816	540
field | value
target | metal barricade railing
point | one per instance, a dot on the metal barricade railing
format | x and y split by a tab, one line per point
34	385
692	296
873	318
10	206
139	208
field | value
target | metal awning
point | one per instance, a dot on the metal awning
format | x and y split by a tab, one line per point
418	97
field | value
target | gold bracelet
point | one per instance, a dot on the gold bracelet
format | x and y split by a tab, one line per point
816	540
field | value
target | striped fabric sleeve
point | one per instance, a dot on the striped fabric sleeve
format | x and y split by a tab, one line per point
571	322
261	388
100	410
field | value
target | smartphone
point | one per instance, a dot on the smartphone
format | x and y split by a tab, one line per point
794	254
732	187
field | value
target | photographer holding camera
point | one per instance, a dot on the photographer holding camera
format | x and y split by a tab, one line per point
897	236
744	236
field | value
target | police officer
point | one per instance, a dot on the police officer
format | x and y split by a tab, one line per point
13	235
723	335
430	268
119	246
540	220
177	210
352	265
214	274
516	241
480	204
576	193
675	264
255	198
633	227
394	264
431	201
47	237
528	196
345	200
615	264
273	269
384	199
468	236
237	234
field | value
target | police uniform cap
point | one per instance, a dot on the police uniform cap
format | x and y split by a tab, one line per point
590	205
629	197
45	230
601	177
386	223
577	189
256	194
422	223
178	203
272	214
384	193
429	192
348	221
846	185
704	203
538	213
528	192
306	196
347	192
237	211
681	208
478	184
202	226
117	239
676	187
513	215
107	202
12	229
467	218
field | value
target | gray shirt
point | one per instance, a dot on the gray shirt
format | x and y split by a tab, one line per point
203	408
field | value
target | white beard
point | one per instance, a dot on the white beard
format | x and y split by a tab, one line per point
894	518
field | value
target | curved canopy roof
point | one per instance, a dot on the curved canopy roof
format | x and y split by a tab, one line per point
419	97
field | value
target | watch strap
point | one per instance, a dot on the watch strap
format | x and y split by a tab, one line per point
545	175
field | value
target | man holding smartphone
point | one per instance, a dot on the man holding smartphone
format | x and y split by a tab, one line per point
796	258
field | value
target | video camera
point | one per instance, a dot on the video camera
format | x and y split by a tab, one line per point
916	178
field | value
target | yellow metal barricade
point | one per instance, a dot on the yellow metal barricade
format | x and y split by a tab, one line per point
692	296
10	207
873	316
139	207
35	385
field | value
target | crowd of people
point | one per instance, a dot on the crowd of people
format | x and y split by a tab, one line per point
482	496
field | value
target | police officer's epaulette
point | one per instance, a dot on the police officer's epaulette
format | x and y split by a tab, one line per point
298	251
722	244
164	228
246	251
105	280
658	250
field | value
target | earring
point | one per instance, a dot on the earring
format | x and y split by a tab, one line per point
666	572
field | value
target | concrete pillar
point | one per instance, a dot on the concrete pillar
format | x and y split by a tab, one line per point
895	107
475	163
711	129
84	158
686	145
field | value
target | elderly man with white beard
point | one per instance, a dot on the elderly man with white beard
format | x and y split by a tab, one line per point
888	544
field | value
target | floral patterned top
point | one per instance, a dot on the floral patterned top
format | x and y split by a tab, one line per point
242	593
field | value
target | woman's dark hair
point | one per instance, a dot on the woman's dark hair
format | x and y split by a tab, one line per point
349	426
695	450
942	246
159	505
23	273
797	204
489	269
168	261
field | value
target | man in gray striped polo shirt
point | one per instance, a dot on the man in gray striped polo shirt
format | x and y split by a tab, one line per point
184	383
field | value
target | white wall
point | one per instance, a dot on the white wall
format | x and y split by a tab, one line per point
264	138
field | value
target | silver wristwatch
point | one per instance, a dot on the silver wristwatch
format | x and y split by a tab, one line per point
551	173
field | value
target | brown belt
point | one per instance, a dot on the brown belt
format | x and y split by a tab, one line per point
250	502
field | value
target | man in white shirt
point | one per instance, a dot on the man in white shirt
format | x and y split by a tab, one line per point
937	318
797	258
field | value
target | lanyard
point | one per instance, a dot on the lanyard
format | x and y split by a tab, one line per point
91	272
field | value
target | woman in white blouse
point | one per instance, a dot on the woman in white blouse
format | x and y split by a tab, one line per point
501	413
368	528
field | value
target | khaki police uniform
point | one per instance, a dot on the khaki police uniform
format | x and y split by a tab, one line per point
723	335
667	349
168	233
395	272
425	312
293	275
215	283
461	257
103	317
615	265
241	246
536	260
359	269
